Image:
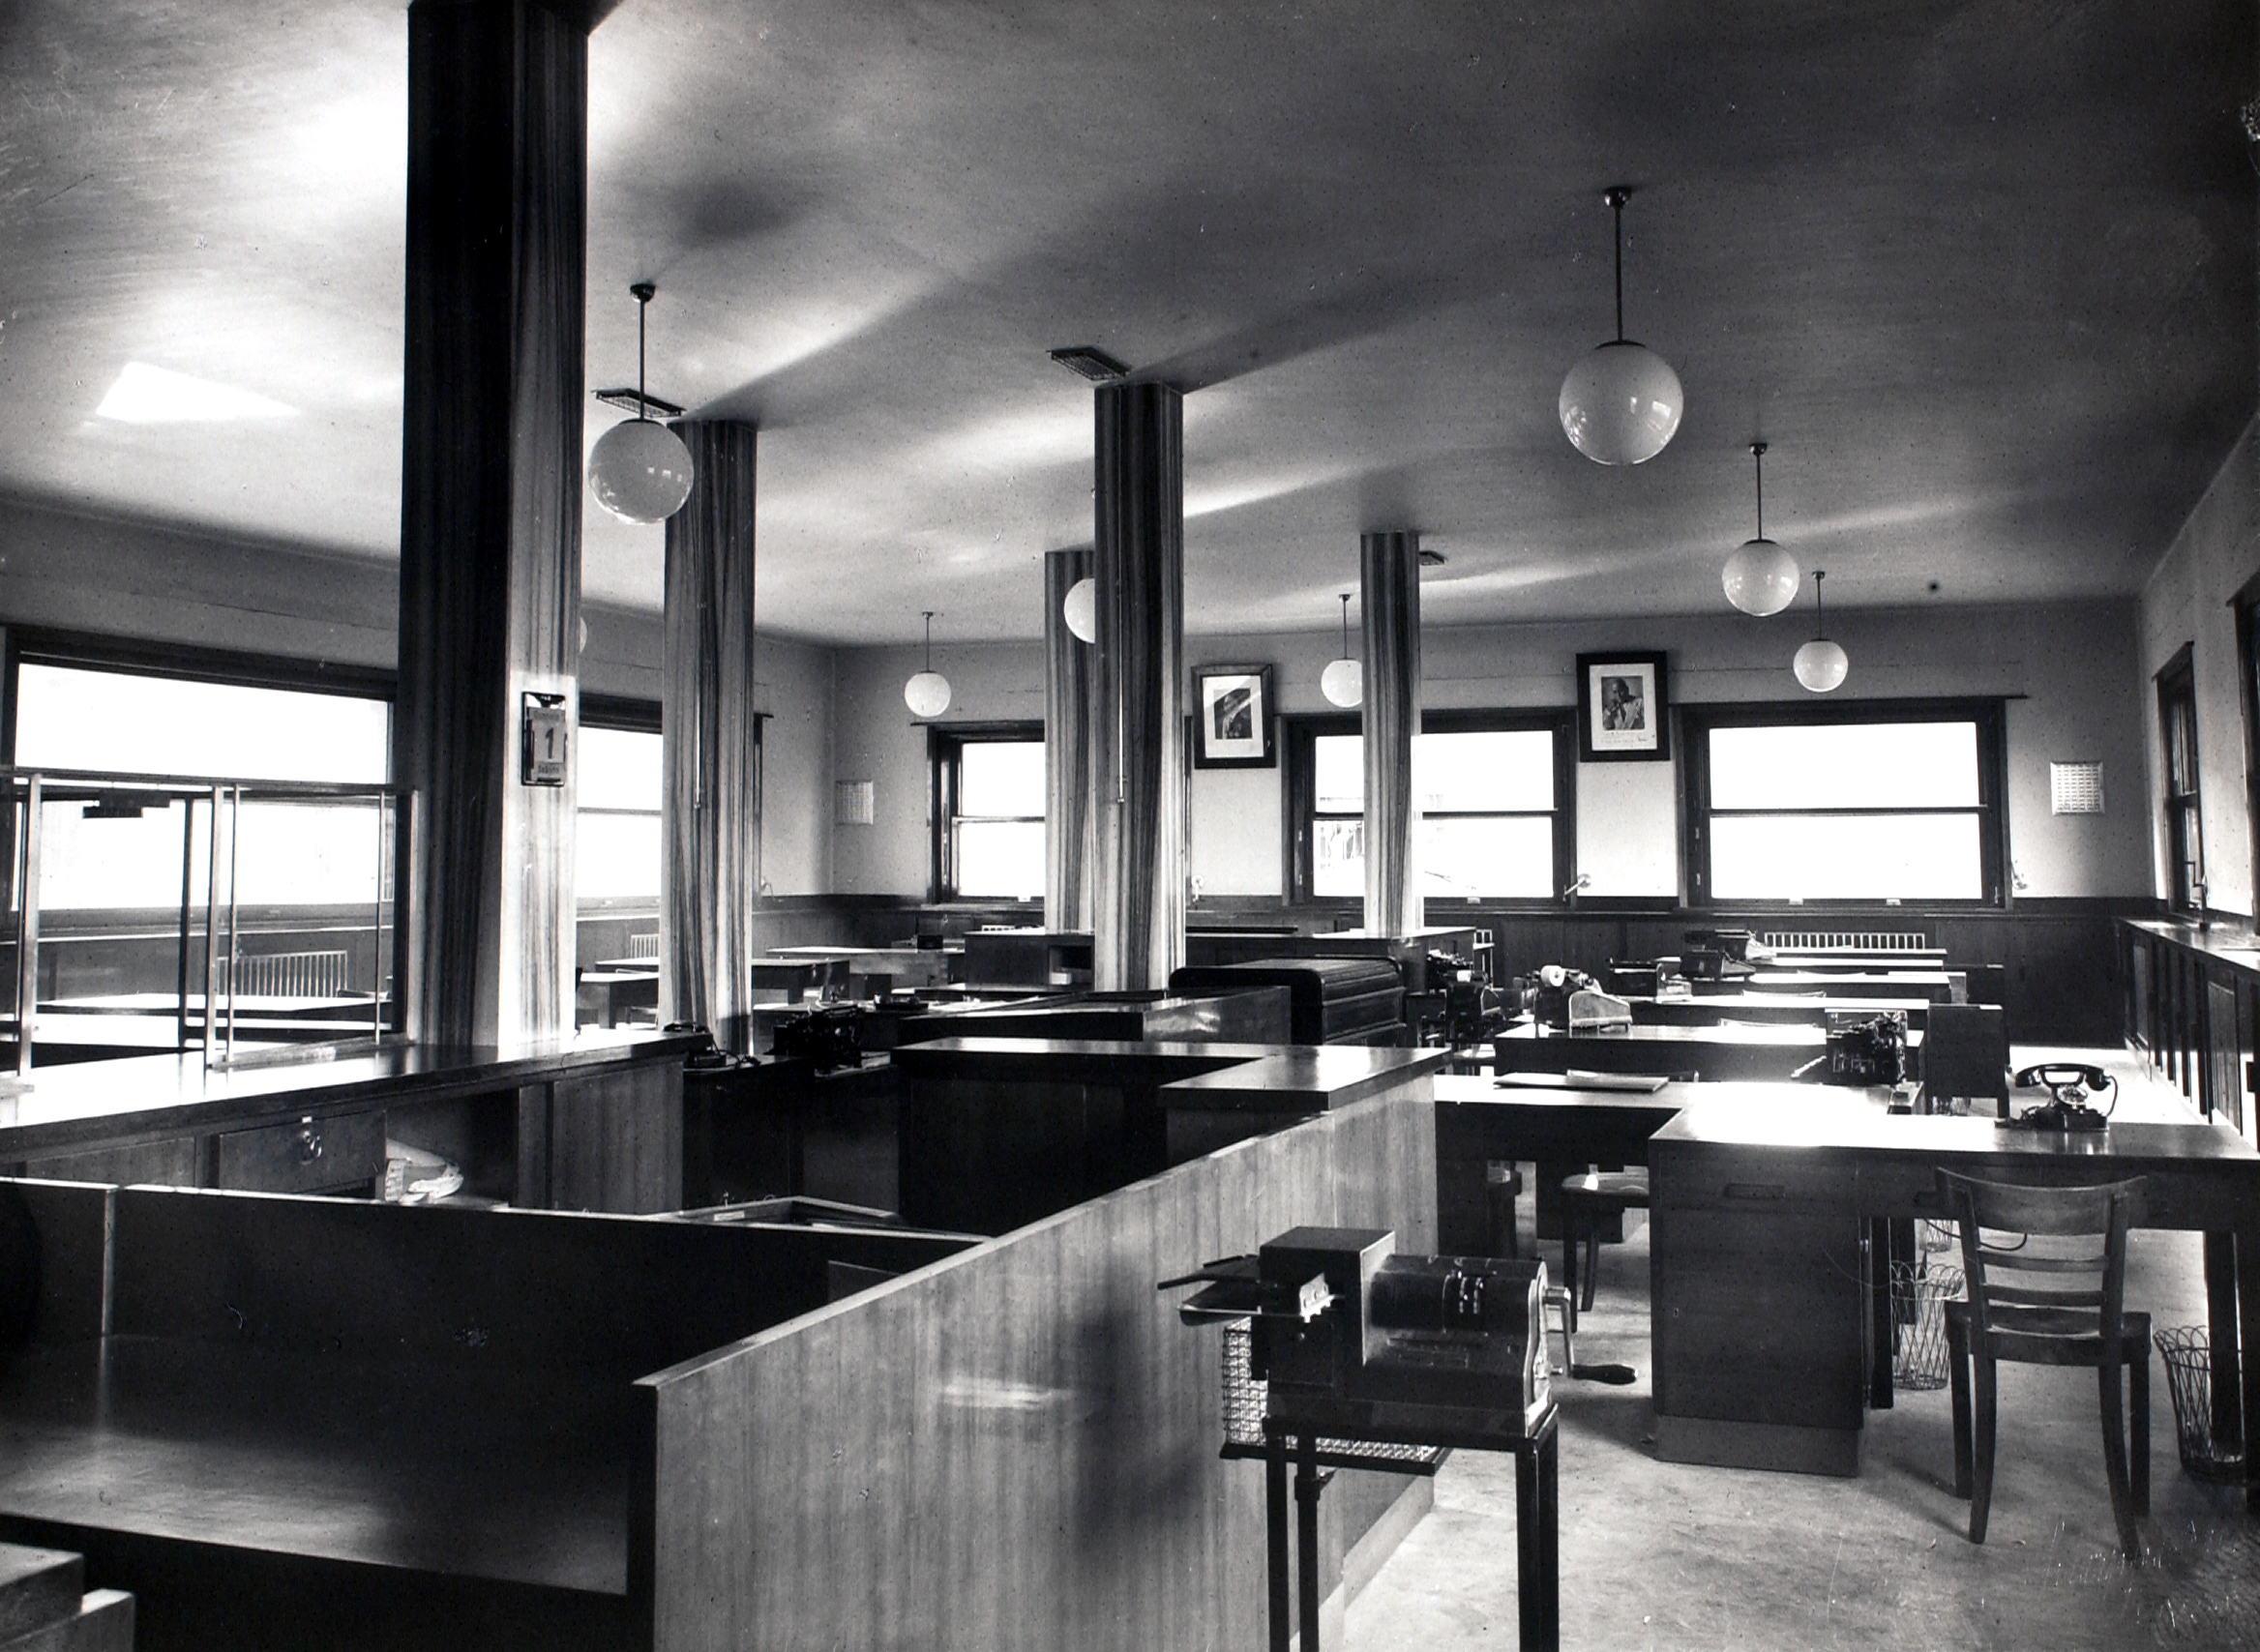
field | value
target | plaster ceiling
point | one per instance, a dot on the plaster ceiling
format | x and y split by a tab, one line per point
1983	275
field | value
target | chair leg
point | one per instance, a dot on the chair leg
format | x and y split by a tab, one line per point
1569	1238
1981	1477
1958	1375
2138	1426
1593	1265
2108	1391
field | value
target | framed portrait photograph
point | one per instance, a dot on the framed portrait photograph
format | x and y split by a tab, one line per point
1621	708
1231	718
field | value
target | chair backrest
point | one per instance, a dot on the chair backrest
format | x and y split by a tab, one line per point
2065	1276
1965	1053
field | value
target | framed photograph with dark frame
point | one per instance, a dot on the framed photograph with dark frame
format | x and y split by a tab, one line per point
1621	705
1231	718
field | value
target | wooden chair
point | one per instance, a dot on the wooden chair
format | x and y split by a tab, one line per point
2048	1305
1588	1200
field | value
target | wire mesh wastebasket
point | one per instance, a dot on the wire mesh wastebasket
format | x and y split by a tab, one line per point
1920	1294
2187	1350
1244	1402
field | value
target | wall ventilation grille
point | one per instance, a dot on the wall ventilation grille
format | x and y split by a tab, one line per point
852	803
2075	788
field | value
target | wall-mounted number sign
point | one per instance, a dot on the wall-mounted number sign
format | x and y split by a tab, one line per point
546	746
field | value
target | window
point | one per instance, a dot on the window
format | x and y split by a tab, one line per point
1859	801
2178	734
286	853
1495	792
616	843
987	810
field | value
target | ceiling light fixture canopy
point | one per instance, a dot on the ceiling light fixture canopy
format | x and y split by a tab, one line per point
1343	681
1820	664
640	469
1761	577
927	692
1088	361
1621	404
1080	607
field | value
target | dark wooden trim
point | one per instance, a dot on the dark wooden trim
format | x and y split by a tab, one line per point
2176	686
629	712
2249	698
192	663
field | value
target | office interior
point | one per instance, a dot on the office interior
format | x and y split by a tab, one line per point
1983	281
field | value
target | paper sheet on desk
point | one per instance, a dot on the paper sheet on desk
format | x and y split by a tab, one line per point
1634	1083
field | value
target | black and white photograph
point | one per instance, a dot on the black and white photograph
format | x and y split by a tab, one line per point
1233	717
1143	826
1622	715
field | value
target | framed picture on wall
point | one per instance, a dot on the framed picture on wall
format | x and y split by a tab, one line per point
1231	718
1622	708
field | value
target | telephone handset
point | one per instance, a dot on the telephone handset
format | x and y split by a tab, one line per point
2056	1075
2069	1083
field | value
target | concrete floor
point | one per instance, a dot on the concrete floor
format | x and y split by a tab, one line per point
1665	1555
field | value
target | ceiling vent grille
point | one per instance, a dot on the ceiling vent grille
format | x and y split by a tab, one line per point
1088	361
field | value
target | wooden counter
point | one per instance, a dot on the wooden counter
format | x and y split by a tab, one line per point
2192	1005
592	1122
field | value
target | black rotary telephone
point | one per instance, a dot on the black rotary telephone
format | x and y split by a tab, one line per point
2068	1084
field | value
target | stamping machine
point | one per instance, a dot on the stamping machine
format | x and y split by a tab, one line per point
1357	1343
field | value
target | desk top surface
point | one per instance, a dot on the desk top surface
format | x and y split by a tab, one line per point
1789	1035
454	1470
1254	1077
70	1105
1793	1117
2236	944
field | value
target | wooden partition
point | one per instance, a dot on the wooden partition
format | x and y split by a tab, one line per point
1018	1446
289	1421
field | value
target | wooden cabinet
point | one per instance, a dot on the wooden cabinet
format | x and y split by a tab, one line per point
1757	1270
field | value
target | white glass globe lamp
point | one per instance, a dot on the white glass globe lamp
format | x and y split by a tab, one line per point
1820	664
1761	577
640	469
1080	608
1621	404
927	692
1343	681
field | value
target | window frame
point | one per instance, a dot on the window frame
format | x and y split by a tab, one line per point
946	745
2182	813
1303	730
628	714
1988	714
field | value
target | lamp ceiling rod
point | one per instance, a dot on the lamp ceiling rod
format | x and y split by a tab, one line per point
643	292
1820	624
1617	197
930	640
1758	458
1346	625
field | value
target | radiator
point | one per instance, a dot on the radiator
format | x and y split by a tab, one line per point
288	975
1846	940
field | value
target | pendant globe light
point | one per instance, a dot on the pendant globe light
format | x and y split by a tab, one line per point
1080	608
1621	404
1760	576
1343	681
927	693
1820	664
640	469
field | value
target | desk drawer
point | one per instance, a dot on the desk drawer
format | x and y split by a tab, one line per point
1759	1183
303	1156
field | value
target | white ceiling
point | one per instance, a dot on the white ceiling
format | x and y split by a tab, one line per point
1983	275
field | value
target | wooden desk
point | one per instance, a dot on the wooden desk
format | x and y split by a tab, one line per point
824	972
1714	1052
872	970
1761	1263
1939	986
1858	963
602	997
1712	1008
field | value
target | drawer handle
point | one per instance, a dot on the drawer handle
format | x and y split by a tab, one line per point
1772	1191
309	1142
